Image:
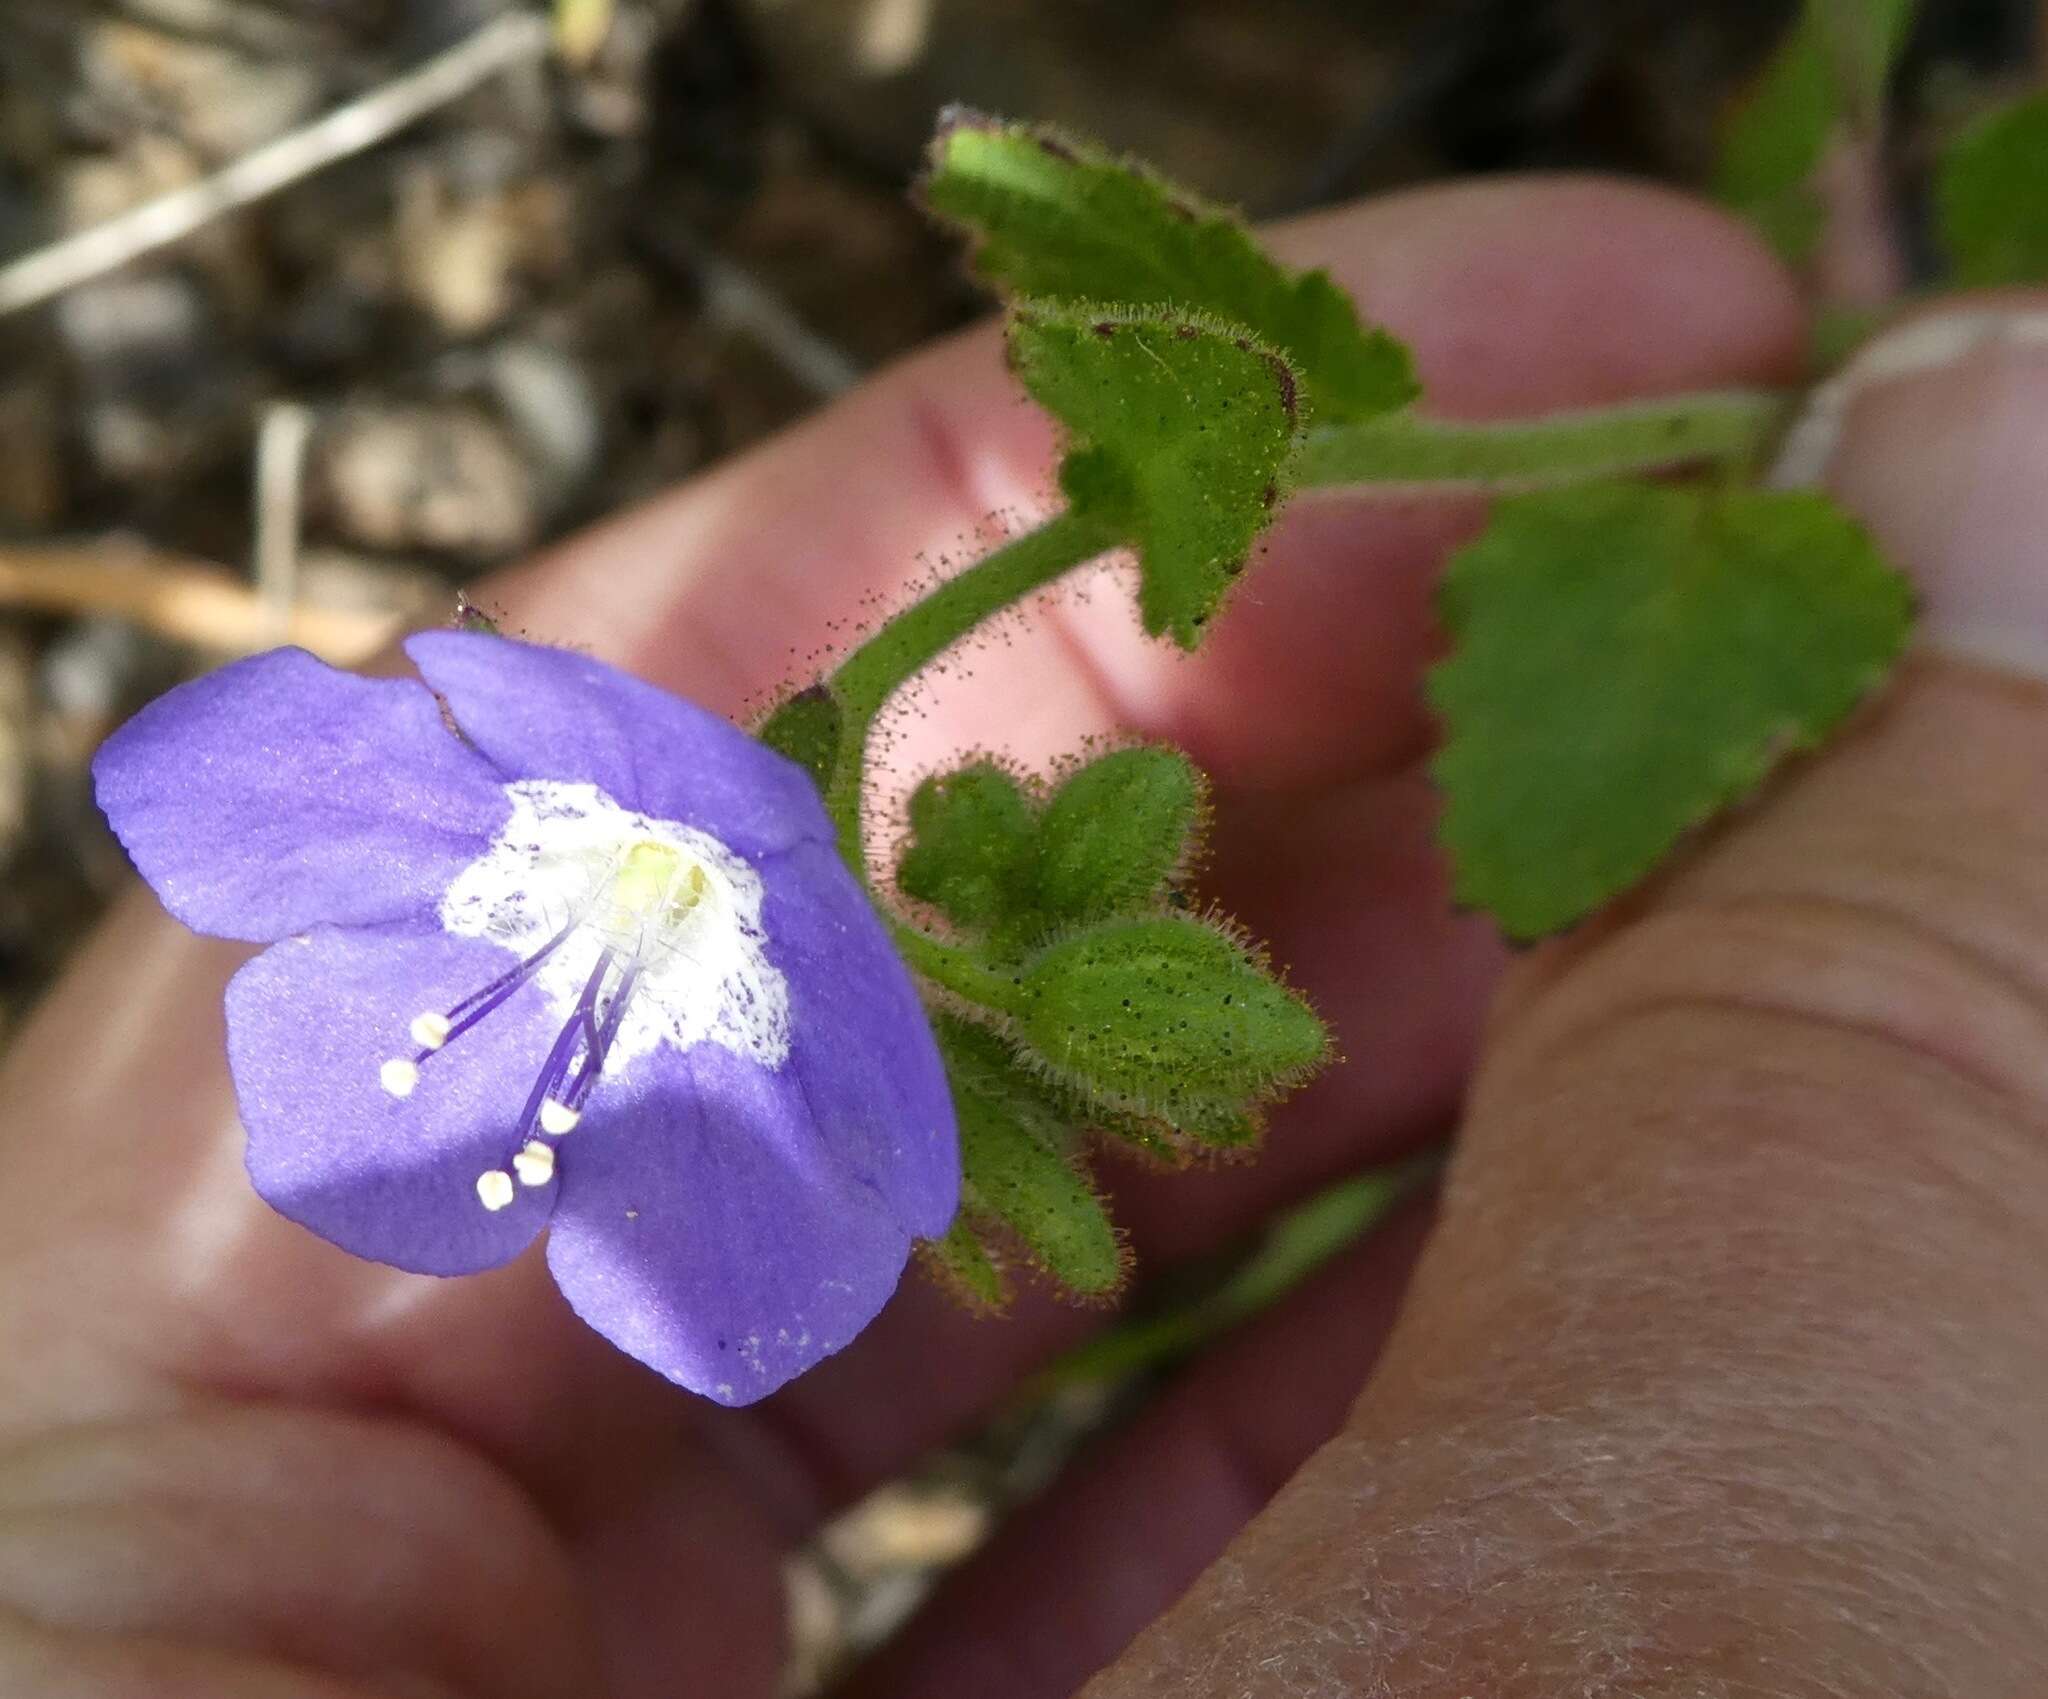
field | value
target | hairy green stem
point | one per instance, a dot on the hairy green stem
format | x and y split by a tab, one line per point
1729	427
916	637
1595	442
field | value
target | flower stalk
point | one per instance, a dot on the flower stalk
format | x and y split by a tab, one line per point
910	642
1726	426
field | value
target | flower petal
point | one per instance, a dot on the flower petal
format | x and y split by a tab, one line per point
864	1051
544	713
704	1228
310	1023
277	793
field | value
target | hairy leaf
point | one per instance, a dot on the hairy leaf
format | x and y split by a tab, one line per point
1167	1016
1198	1125
1627	660
1179	435
964	1263
1992	197
1016	1168
1060	221
1115	833
971	846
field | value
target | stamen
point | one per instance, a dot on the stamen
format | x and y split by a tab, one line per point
535	1165
581	1028
478	1004
557	1118
495	1190
601	1043
432	1030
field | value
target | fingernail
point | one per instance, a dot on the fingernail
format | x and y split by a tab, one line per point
1936	436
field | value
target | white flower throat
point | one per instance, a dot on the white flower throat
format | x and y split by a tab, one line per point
639	932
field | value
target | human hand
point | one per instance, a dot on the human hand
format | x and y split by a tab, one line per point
239	1463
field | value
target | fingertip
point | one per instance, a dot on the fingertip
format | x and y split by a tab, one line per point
1942	423
1522	292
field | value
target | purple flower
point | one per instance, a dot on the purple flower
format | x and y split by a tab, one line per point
589	962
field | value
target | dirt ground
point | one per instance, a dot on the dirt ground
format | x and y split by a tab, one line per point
580	282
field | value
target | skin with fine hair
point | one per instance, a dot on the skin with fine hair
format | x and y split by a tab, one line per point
1718	1373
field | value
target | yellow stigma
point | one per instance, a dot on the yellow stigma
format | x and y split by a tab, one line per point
655	882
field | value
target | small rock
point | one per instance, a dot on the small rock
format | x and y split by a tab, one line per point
132	317
547	396
159	390
609	92
102	186
463	254
89	677
127	443
441	476
219	102
456	262
905	1526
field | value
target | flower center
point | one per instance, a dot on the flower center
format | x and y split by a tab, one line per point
639	933
651	884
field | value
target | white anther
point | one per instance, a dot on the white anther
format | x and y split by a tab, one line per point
398	1076
558	1118
494	1188
535	1165
430	1030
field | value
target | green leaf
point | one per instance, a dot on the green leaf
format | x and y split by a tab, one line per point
971	846
1628	659
1015	1169
1144	1136
1293	1248
1165	1016
1058	220
1219	1126
806	729
1179	433
1774	140
1198	1126
1116	833
1869	37
1826	79
963	1263
1991	197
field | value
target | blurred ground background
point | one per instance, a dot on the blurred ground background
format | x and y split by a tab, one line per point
583	281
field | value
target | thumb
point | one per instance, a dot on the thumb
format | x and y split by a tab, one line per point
1722	1373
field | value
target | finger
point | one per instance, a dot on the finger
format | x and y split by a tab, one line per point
1720	1371
1069	1579
704	591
